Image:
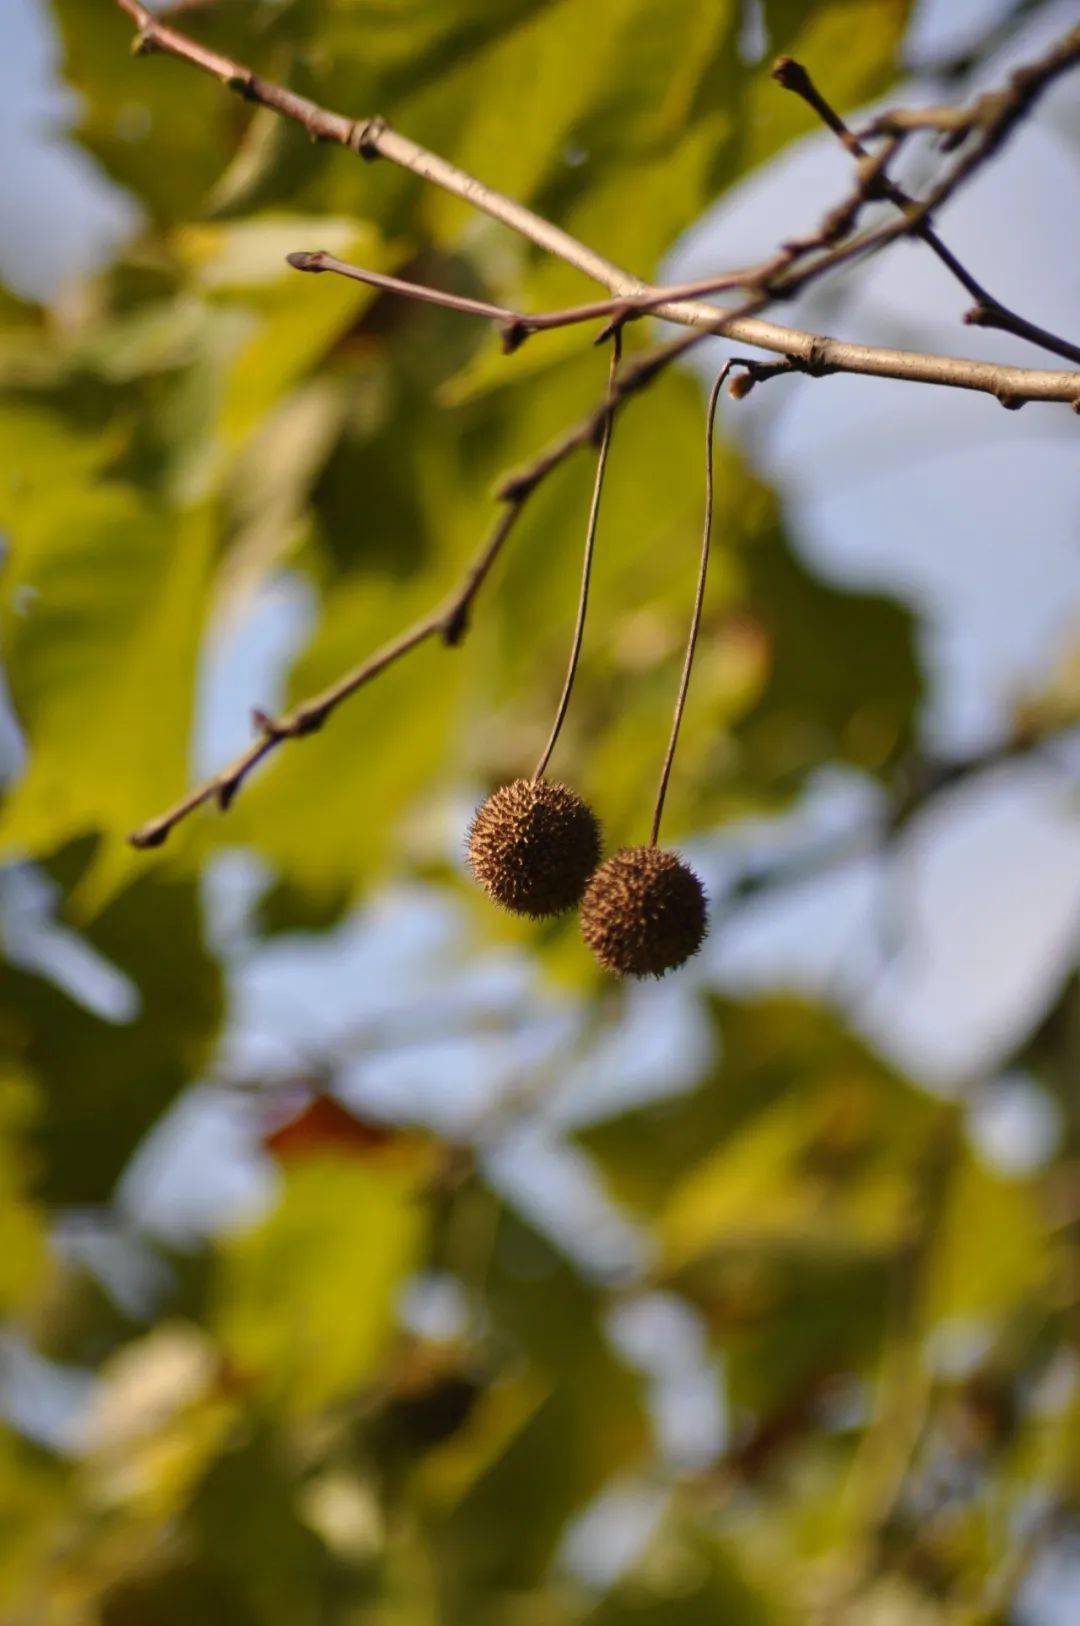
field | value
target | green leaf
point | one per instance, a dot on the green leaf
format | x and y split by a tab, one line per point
563	1448
306	1300
101	621
134	107
93	1114
23	1256
788	1073
817	634
293	318
687	1578
992	1259
33	1504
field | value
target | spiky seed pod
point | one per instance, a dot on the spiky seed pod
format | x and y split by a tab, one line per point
532	847
644	912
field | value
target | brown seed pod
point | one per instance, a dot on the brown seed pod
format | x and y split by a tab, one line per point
532	847
644	912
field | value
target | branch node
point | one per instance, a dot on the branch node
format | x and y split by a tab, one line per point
516	487
980	315
264	724
142	45
365	135
242	84
513	336
815	362
304	720
616	324
455	625
1011	403
225	793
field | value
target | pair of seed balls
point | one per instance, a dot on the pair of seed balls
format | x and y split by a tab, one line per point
535	848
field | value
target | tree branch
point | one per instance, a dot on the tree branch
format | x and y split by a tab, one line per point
373	138
450	623
988	311
774	278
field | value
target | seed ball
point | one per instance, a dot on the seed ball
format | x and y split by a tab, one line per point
644	912
532	847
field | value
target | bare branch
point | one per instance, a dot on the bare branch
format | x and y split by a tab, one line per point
781	276
373	138
450	623
988	311
994	114
317	260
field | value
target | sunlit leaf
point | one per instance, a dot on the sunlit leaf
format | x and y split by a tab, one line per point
305	1302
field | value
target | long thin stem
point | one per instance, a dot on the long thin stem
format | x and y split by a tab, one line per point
699	600
586	565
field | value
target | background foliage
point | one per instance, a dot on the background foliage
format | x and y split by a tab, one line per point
262	1434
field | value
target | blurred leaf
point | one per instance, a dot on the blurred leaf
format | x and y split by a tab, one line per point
788	1071
779	1193
687	1579
991	1257
323	1126
253	1541
32	1504
102	618
22	1240
818	634
305	1301
156	1423
788	1318
450	1471
1056	704
135	107
96	1108
296	317
558	1454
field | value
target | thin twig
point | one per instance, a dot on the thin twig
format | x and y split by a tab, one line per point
699	601
988	311
775	278
994	115
586	566
517	326
373	138
316	260
450	623
810	353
